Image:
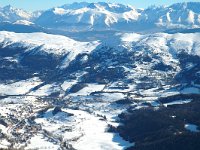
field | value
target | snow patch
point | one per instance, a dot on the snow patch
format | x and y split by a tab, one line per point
18	88
192	127
42	143
178	102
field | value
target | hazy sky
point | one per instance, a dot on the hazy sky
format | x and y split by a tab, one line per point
32	5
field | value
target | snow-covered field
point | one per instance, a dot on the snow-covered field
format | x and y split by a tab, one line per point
40	142
20	87
87	130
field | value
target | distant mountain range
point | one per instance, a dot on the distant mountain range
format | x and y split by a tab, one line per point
107	16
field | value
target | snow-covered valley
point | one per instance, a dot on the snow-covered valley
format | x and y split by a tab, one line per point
67	93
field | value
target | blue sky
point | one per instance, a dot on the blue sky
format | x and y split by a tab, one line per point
32	5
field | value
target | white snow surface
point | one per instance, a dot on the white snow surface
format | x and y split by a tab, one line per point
45	90
178	102
55	44
60	45
111	15
9	13
20	87
68	84
162	43
4	144
40	142
95	135
89	130
92	14
23	22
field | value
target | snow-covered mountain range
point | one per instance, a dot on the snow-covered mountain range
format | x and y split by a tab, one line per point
109	16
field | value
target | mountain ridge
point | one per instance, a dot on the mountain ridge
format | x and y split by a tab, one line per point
99	16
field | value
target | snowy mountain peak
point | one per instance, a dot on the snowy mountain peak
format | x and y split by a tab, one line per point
179	15
8	7
9	13
88	16
113	7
